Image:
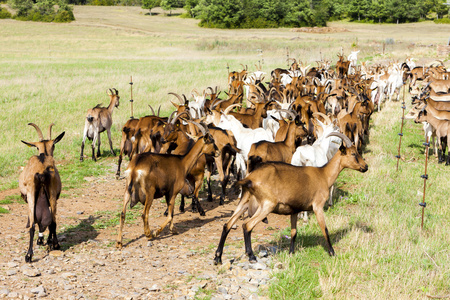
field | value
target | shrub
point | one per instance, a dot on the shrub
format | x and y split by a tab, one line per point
442	21
4	14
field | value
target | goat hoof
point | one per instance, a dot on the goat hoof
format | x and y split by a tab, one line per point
217	260
119	245
56	247
40	241
174	231
202	213
28	258
81	158
252	259
221	202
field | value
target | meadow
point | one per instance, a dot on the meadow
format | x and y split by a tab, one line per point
55	72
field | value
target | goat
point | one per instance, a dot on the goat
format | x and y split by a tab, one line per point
281	188
40	187
152	175
99	119
442	132
264	151
126	145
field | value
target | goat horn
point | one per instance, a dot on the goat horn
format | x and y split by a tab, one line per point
179	97
159	108
39	132
116	91
202	129
289	112
195	91
152	109
171	116
216	102
109	92
345	139
326	118
179	115
229	108
50	131
210	89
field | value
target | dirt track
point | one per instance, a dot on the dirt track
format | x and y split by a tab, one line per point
89	266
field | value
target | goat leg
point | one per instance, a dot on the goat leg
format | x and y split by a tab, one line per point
321	220
118	165
148	204
52	240
248	245
99	142
126	199
110	142
29	255
293	232
261	213
40	240
240	209
197	205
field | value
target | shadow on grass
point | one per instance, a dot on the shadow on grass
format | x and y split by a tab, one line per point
78	234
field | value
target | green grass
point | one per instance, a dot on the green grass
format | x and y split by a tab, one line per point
375	227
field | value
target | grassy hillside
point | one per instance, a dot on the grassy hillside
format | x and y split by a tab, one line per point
55	72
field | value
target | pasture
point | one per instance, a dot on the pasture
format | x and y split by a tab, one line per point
55	72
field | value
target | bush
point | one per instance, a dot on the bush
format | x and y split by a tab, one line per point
64	16
42	11
442	21
4	14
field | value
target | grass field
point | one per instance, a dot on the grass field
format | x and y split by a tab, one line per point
55	72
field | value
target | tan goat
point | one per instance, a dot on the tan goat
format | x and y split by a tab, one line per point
285	189
99	119
40	187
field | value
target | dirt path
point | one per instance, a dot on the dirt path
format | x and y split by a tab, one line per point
90	267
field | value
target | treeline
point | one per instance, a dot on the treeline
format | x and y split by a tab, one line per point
39	10
296	13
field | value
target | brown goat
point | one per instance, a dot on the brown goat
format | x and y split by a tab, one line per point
264	151
99	119
442	132
126	145
285	189
40	187
152	175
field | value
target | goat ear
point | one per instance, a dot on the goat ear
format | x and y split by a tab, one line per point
29	144
59	137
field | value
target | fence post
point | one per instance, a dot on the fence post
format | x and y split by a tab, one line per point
425	177
131	99
401	129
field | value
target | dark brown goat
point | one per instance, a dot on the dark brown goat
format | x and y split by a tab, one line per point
152	175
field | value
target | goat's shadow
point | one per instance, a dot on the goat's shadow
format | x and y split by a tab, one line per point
82	232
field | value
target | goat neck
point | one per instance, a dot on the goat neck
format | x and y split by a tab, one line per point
346	157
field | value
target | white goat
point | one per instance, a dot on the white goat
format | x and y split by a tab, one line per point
245	137
395	81
353	58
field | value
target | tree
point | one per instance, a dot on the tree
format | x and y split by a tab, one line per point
171	4
22	7
149	4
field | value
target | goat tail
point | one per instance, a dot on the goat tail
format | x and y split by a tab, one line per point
244	183
253	161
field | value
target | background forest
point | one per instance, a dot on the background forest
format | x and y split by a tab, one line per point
252	13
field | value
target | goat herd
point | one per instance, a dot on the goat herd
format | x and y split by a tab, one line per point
303	127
